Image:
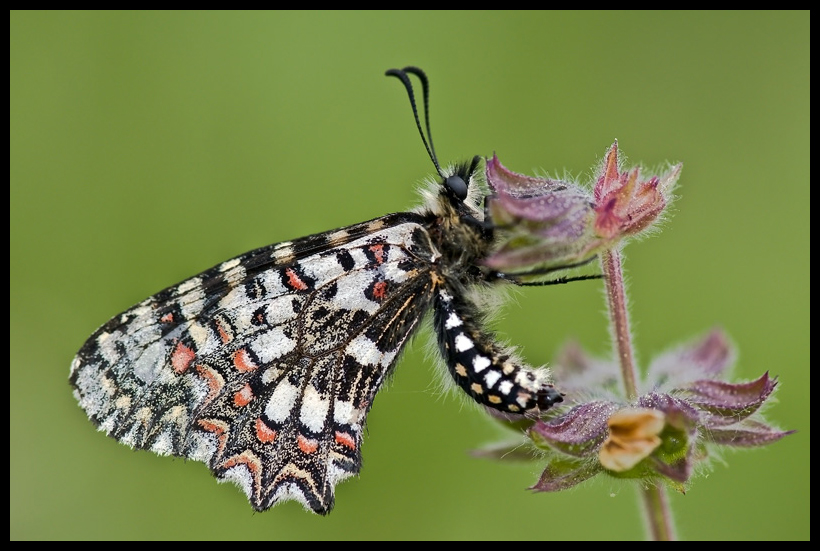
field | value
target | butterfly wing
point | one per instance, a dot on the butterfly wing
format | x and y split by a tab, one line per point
265	366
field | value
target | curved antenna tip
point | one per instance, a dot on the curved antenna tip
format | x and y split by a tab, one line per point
401	74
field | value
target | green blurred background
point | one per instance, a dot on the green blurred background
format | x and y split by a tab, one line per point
146	147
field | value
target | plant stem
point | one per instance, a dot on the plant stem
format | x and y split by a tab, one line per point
656	507
658	516
619	317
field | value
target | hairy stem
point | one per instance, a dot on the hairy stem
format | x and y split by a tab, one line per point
619	318
658	516
656	508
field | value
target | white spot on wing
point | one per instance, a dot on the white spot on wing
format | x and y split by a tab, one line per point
185	286
364	351
345	413
228	264
235	275
108	349
163	445
392	272
358	256
199	334
314	409
387	357
283	255
351	291
108	425
202	446
276	311
321	269
140	311
122	402
272	344
233	299
272	283
147	366
336	475
191	303
281	402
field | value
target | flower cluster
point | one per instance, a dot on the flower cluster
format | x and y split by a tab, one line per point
661	427
549	224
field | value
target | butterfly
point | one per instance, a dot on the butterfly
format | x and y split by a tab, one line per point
265	366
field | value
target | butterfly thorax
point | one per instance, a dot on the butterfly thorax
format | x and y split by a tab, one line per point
457	229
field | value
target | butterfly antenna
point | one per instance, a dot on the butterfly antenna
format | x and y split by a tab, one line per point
401	74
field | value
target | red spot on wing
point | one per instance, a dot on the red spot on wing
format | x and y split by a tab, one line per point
264	433
167	318
345	439
212	378
294	281
181	358
212	425
307	445
243	396
242	361
380	290
378	253
223	334
238	460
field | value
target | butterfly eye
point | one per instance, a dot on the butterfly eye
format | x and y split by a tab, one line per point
457	185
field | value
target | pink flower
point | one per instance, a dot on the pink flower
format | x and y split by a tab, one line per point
625	205
545	224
